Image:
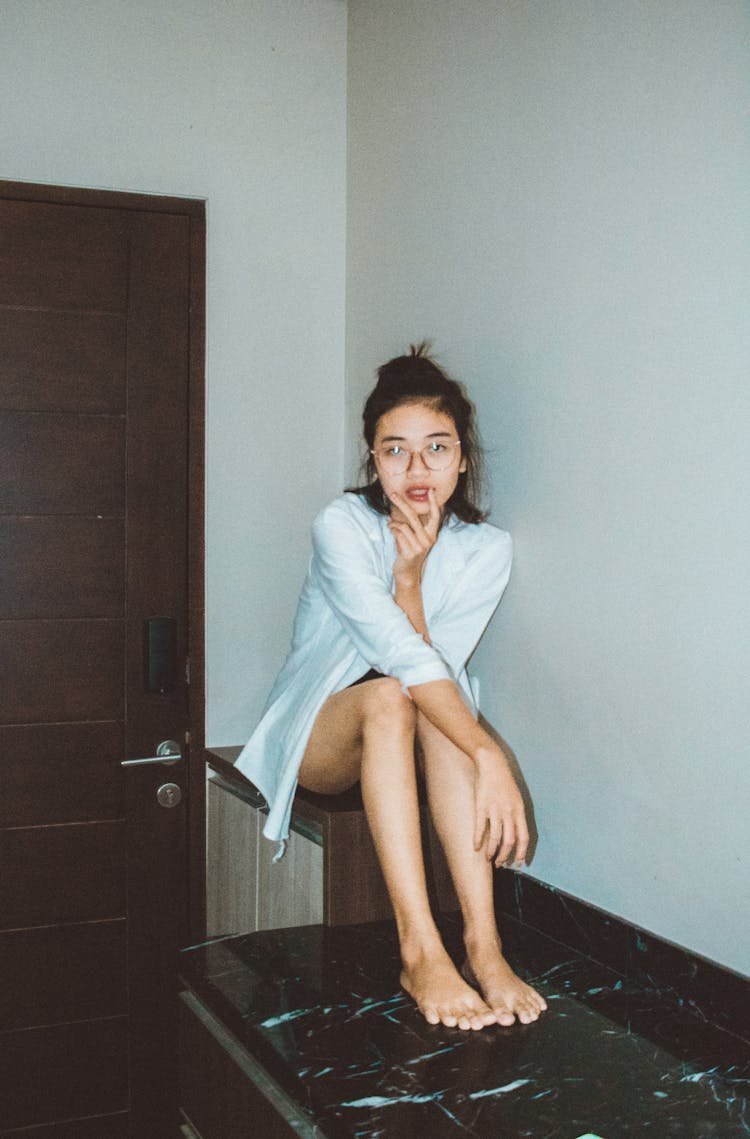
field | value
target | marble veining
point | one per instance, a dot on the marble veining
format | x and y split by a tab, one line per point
321	1010
719	995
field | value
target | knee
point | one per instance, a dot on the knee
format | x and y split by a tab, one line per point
388	707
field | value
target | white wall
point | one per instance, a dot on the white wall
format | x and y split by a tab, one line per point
241	102
557	193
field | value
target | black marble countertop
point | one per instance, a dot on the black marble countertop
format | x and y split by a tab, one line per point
320	1008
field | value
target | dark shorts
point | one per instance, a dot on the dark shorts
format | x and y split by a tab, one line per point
373	674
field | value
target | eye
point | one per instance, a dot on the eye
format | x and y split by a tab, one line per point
436	448
394	450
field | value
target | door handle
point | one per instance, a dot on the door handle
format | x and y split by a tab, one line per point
167	752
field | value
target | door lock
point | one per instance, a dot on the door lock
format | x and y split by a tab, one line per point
169	795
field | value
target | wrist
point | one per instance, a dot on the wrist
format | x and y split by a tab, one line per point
488	754
407	580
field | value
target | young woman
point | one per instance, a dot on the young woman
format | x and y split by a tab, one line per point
404	576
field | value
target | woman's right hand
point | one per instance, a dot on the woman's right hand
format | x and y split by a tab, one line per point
414	537
499	815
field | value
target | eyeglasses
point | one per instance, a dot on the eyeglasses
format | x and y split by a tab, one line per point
436	456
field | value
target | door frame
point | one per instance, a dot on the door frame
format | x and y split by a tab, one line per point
194	210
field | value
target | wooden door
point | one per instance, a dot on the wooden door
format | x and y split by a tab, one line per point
100	531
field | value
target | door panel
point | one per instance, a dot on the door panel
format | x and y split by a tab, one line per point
156	888
64	257
62	874
61	567
156	518
53	975
61	670
60	773
50	1071
54	463
100	321
62	361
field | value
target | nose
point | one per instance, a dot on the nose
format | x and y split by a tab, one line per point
416	459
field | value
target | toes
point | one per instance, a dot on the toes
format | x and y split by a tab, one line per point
475	1022
447	1017
525	1003
466	1017
526	1012
504	1016
482	1018
481	1015
536	1002
531	1008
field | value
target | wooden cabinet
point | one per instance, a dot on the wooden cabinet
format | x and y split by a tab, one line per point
330	872
245	890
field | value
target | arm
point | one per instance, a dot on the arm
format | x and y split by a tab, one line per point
347	567
499	819
414	540
499	815
476	582
408	596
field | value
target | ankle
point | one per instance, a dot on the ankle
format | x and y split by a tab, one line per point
416	945
482	939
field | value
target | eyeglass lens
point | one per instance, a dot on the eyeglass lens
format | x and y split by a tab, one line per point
435	459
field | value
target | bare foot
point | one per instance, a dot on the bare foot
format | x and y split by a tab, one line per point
505	993
442	996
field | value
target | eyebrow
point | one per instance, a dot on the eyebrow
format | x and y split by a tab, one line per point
402	438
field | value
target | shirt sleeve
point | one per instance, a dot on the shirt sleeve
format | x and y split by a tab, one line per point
345	567
466	608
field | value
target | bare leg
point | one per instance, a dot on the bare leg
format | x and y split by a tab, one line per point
369	732
450	787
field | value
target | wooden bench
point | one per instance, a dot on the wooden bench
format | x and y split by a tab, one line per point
329	874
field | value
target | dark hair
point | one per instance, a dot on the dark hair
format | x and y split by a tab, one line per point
416	378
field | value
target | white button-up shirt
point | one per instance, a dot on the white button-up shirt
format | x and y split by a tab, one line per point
347	622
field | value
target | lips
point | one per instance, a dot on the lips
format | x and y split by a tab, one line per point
418	493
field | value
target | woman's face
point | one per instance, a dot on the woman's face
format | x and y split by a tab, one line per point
414	427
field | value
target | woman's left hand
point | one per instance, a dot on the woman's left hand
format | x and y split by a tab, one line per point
414	537
499	816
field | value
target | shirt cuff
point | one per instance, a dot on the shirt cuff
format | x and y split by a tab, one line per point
424	673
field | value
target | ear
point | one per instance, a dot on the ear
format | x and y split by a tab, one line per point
463	466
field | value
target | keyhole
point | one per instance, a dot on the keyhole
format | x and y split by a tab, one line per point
169	795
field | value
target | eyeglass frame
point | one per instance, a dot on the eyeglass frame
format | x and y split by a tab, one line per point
419	451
